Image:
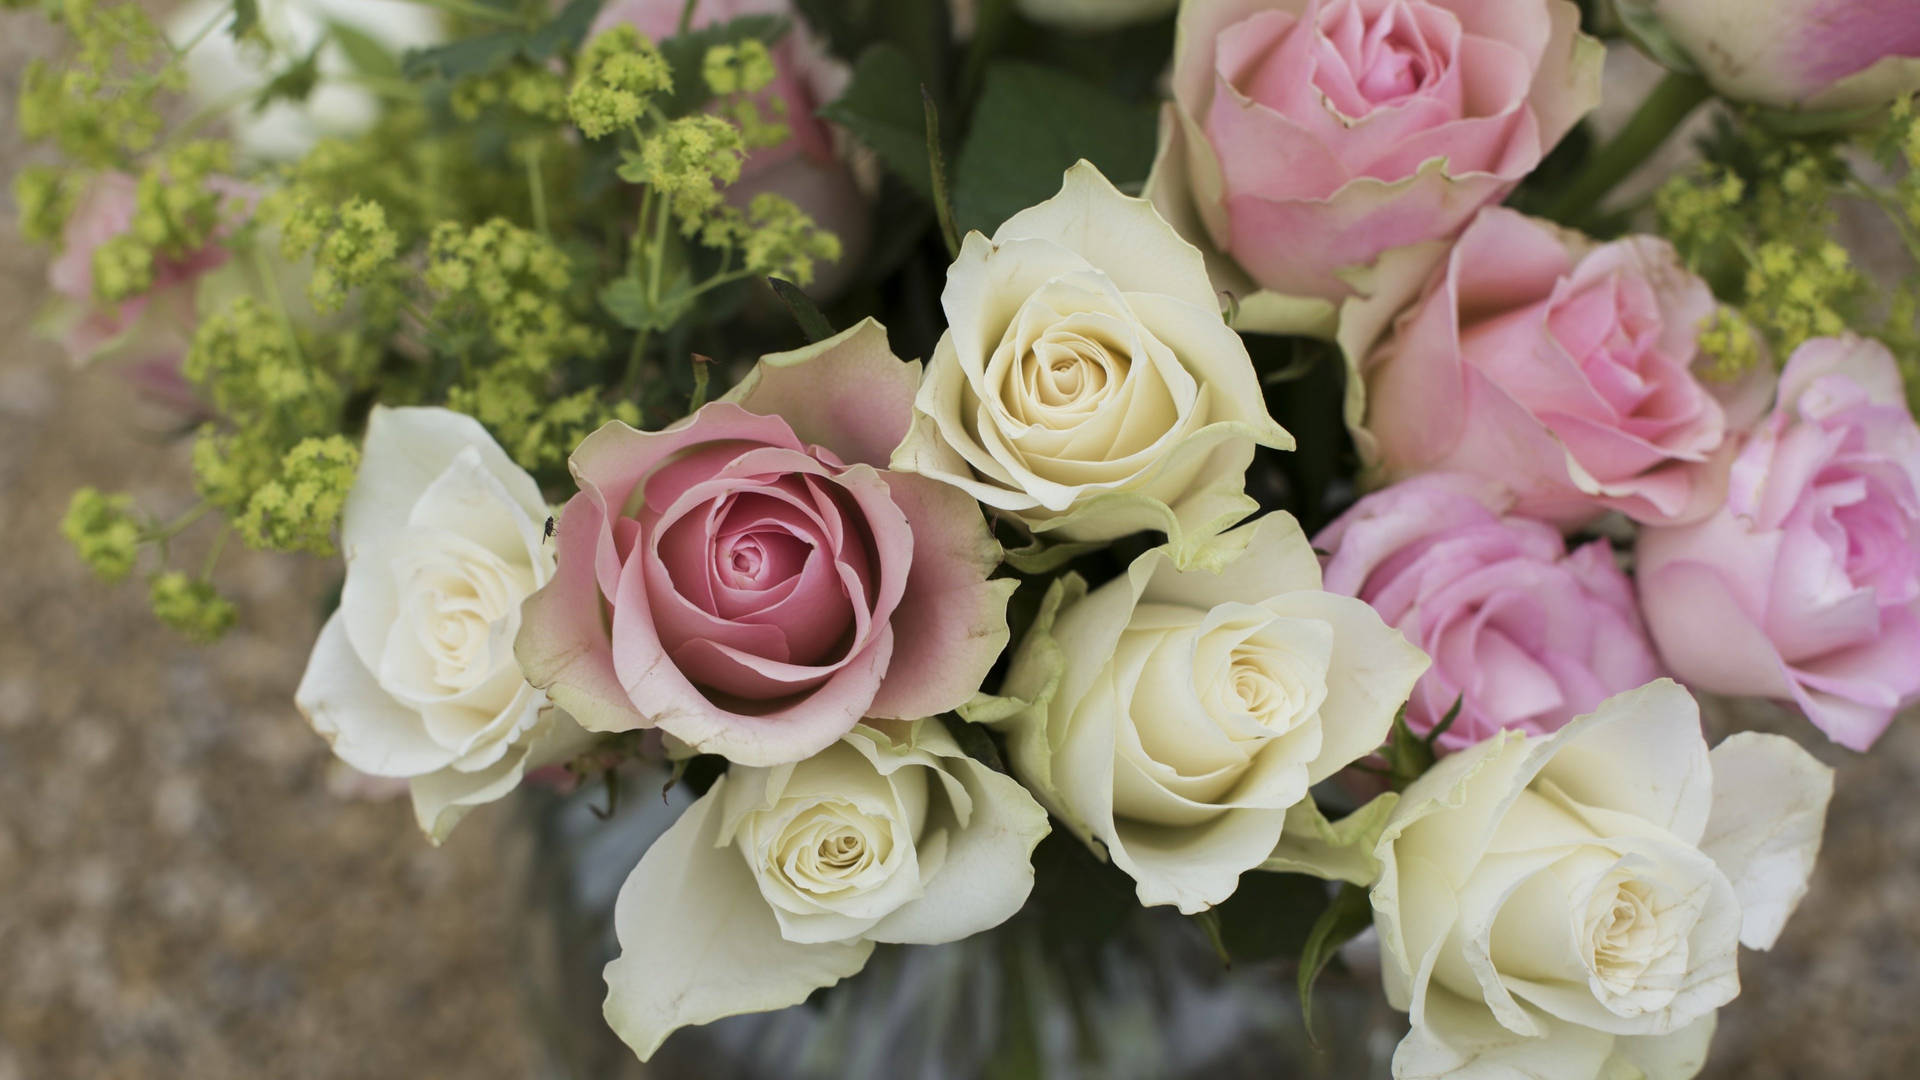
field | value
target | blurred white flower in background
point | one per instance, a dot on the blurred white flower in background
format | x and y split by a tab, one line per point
224	75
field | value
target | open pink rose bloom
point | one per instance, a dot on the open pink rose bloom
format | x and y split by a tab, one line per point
1524	634
1561	371
1307	137
1805	586
754	581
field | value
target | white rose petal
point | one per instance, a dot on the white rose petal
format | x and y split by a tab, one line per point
1176	718
414	676
780	880
1087	384
1571	906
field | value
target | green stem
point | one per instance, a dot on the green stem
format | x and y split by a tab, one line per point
213	553
537	190
686	17
271	283
1894	211
1658	116
665	211
473	10
163	534
199	35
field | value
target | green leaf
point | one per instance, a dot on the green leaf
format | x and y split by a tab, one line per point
937	176
975	740
1336	850
478	55
1269	916
882	108
626	300
293	84
812	322
563	33
1439	729
686	54
1030	125
364	53
246	16
921	30
1350	913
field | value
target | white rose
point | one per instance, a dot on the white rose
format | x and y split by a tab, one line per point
1176	717
1087	384
780	880
1570	906
226	75
1094	14
414	676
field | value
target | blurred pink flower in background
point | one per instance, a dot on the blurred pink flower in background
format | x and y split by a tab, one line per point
807	168
1822	54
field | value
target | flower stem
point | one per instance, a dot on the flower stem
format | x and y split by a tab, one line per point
1657	118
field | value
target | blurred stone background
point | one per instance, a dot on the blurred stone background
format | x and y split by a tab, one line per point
185	892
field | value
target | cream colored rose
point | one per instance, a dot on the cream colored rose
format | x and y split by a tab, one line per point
1174	718
779	880
414	676
1571	906
1087	384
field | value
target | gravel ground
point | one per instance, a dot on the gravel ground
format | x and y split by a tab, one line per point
185	892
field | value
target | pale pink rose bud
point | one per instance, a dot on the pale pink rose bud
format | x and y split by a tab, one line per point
1306	137
1818	54
806	168
1805	586
1560	370
1524	635
754	581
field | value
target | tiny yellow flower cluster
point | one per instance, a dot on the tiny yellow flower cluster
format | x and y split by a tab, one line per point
297	510
45	198
774	237
743	68
537	430
688	161
1730	343
529	89
179	209
248	362
519	286
739	71
1794	293
103	531
351	244
87	103
619	72
190	606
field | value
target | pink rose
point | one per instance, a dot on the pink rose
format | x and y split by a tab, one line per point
1822	54
1805	586
1522	634
753	580
152	329
806	168
1306	137
1560	370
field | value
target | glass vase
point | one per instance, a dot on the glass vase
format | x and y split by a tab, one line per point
1143	996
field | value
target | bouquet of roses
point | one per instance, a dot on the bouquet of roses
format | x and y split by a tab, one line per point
1319	474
